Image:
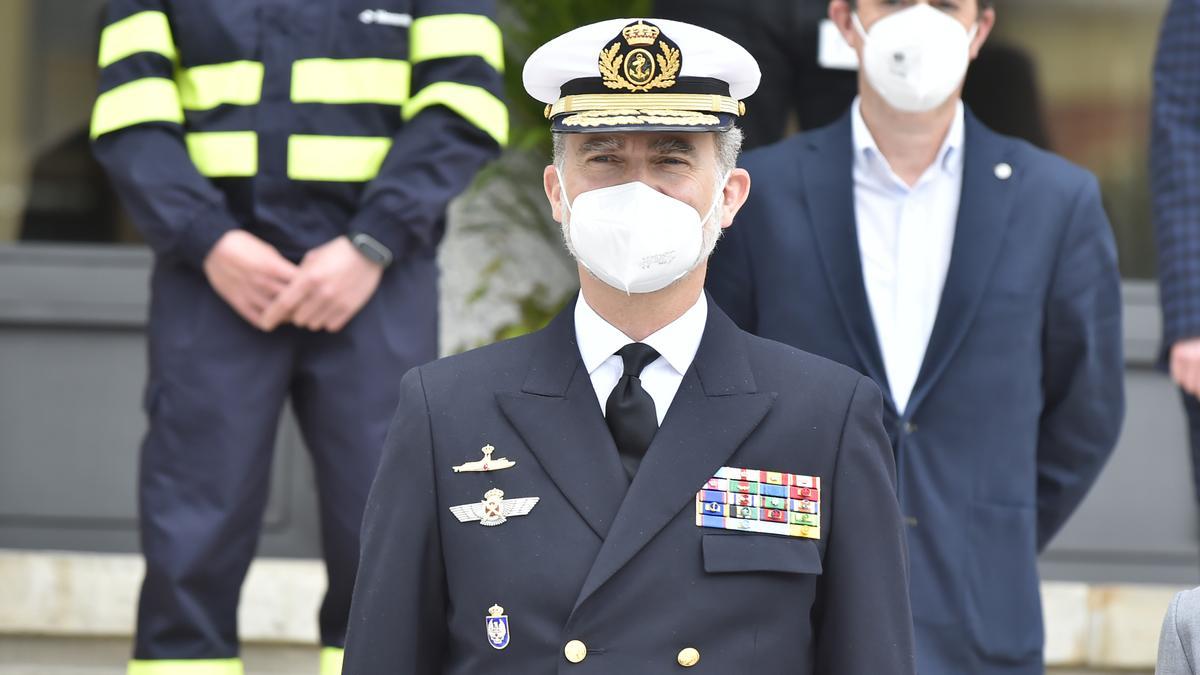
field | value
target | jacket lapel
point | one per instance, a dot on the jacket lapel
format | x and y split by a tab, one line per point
983	221
829	186
557	415
714	411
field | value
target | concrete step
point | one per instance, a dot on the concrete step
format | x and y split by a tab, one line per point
77	656
28	655
75	596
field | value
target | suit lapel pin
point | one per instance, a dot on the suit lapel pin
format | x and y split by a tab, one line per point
497	627
494	509
1004	171
487	463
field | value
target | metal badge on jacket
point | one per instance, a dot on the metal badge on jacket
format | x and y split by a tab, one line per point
494	509
487	463
497	627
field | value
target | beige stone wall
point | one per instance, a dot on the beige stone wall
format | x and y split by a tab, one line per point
94	595
1088	628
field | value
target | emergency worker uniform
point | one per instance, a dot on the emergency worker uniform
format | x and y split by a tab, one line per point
298	121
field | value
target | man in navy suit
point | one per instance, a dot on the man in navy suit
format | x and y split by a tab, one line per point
657	489
974	278
1175	172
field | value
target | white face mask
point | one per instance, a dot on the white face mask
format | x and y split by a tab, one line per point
635	238
917	57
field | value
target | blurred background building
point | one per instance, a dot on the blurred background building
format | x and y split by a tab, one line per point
73	293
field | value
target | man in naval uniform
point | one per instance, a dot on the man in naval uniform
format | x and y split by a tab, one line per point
657	489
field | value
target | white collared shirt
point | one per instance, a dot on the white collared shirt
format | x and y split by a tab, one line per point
905	237
675	342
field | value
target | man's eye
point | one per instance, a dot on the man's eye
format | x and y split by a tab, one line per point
674	161
601	159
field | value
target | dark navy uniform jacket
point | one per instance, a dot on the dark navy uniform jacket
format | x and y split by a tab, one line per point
297	120
1020	398
623	568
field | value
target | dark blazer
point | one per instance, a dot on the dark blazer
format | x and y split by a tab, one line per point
1020	397
1175	171
622	567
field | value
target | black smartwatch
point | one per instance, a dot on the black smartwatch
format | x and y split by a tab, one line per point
371	249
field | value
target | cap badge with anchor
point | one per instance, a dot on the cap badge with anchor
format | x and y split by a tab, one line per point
641	59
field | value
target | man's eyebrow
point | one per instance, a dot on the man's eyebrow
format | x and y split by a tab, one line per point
673	146
601	144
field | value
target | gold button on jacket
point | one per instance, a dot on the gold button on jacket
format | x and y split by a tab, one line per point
575	651
688	657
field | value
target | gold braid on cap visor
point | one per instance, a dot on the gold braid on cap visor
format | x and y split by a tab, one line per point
712	103
630	117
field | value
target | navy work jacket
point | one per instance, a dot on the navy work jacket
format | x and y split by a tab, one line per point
296	120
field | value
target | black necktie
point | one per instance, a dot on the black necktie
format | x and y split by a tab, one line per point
630	409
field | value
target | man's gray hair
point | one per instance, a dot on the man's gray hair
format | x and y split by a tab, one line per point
728	146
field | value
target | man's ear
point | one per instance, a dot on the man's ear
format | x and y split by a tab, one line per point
553	193
737	189
840	13
987	21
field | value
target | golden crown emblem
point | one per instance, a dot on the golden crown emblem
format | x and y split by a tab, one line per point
496	610
494	495
631	64
640	34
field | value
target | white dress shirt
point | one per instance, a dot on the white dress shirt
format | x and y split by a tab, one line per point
905	236
676	344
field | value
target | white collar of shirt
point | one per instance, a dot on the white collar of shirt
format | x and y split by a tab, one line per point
868	157
905	240
676	343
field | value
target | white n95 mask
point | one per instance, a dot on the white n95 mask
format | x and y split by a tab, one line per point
633	237
916	57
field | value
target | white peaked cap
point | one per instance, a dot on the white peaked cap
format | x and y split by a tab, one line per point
660	74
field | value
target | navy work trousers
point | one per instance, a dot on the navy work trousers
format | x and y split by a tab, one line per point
216	388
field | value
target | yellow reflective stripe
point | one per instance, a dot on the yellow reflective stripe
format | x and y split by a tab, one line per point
141	32
150	99
206	87
186	667
224	154
475	104
448	35
350	81
331	661
336	158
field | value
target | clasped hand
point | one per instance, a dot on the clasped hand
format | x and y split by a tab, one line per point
1185	365
324	292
